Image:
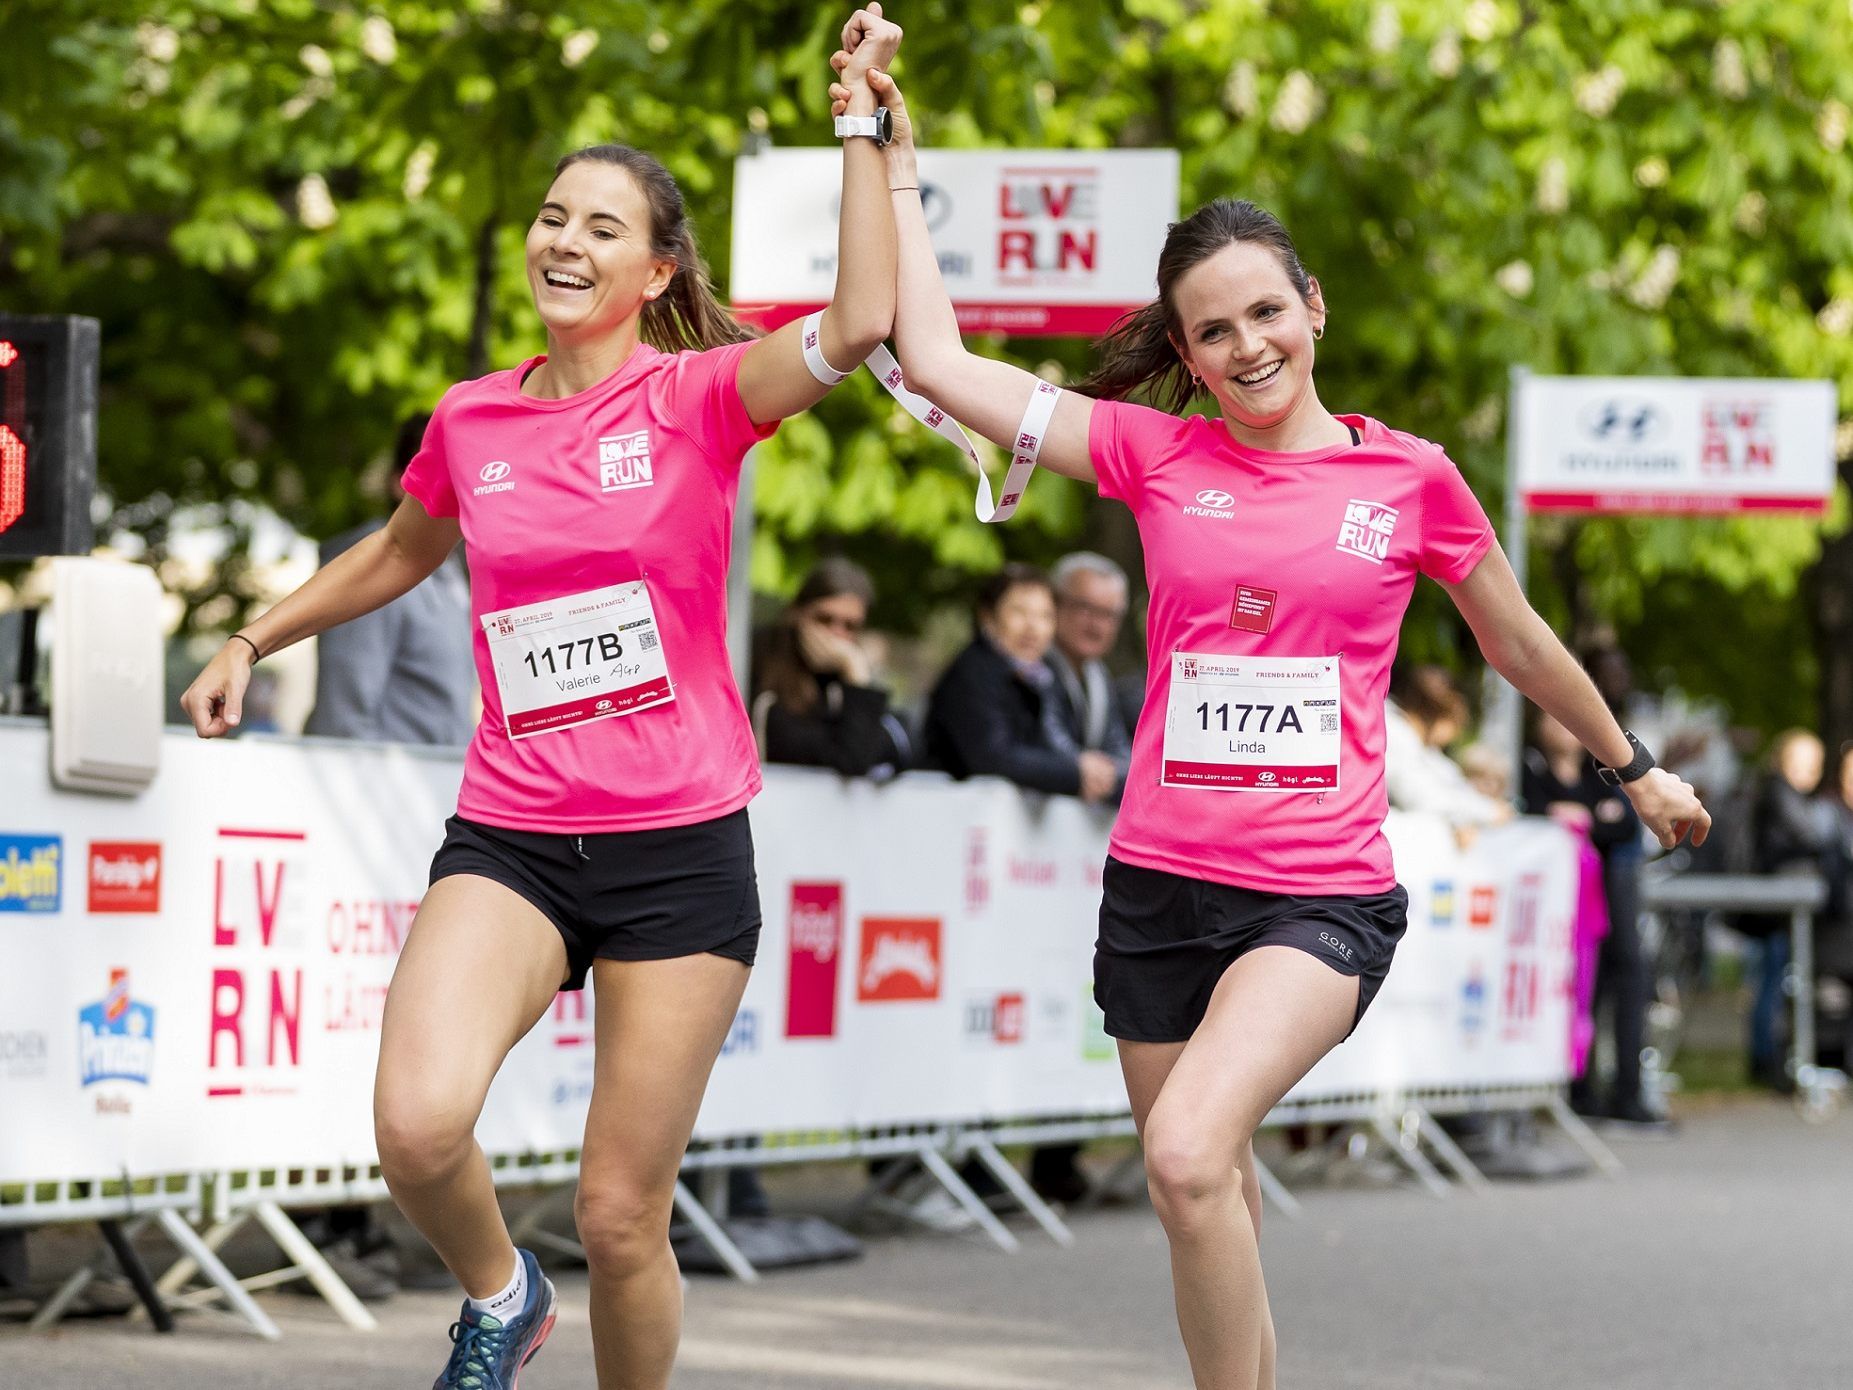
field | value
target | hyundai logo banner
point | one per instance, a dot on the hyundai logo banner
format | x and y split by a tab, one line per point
1673	444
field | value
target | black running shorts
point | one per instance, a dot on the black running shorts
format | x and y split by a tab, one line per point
1165	941
626	895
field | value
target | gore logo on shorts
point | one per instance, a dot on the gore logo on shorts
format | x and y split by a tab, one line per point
1339	947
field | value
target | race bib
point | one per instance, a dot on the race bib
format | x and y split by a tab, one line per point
568	661
1253	723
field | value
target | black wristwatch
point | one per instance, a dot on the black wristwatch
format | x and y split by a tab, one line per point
1642	764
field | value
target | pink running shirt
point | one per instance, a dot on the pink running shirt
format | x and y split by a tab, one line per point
1269	555
633	478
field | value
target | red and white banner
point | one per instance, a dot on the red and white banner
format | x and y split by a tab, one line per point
926	958
1673	444
1031	242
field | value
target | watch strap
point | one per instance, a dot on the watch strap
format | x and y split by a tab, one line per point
847	126
1638	767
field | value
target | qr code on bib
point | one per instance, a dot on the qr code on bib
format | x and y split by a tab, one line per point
647	641
1328	722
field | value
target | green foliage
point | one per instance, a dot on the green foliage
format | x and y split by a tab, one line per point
300	219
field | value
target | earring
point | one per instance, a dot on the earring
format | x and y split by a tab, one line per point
1318	332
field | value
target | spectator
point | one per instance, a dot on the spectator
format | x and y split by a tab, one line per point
404	673
817	704
994	710
1427	713
1560	781
1484	766
1090	604
1794	834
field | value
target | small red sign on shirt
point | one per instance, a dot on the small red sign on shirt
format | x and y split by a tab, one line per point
1253	610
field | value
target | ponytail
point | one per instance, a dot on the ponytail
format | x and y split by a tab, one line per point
686	316
1137	354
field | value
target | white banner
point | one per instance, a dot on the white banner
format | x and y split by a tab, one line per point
1030	242
1673	444
193	980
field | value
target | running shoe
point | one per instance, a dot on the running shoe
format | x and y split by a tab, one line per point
487	1353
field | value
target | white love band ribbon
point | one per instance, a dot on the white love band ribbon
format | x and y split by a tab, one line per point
814	351
1030	432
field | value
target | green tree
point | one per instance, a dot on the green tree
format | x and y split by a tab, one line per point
300	219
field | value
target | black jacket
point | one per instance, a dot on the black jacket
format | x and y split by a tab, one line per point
985	718
849	729
1616	826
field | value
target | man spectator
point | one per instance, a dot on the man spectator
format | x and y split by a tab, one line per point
1090	604
404	673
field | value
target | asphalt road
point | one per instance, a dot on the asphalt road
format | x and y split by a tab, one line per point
1722	1259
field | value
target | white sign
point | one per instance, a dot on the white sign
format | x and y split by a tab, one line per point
1030	242
1673	444
926	958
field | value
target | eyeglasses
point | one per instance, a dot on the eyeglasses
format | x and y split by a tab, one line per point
1092	610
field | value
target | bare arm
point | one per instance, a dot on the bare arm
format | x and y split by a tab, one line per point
1521	647
774	380
983	395
369	574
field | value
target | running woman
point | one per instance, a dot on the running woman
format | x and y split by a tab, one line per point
601	827
1250	907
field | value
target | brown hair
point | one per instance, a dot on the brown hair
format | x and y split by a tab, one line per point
686	315
1428	695
992	591
791	683
1139	351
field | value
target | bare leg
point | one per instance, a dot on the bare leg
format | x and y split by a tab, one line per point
479	968
660	1027
1274	1014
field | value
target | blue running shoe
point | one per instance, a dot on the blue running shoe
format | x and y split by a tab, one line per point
487	1353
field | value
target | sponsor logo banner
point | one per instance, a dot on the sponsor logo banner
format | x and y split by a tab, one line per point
815	929
31	873
115	1036
996	1018
900	960
125	876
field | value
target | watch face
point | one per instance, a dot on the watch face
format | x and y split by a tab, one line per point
884	126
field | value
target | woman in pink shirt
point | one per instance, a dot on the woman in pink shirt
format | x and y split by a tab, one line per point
1250	907
601	827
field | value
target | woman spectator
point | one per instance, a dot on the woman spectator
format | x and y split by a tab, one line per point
1794	834
817	704
993	710
1427	712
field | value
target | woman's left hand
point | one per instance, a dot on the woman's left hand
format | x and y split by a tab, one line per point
1669	808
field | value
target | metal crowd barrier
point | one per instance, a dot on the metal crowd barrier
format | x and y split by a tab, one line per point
1800	897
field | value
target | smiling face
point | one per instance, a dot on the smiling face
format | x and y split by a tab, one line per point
1248	333
590	266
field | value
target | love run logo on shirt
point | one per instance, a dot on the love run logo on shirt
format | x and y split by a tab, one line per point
624	462
1366	530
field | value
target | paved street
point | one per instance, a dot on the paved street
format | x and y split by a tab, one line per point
1723	1260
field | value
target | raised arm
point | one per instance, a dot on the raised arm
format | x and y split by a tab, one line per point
367	575
981	394
774	380
1521	647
